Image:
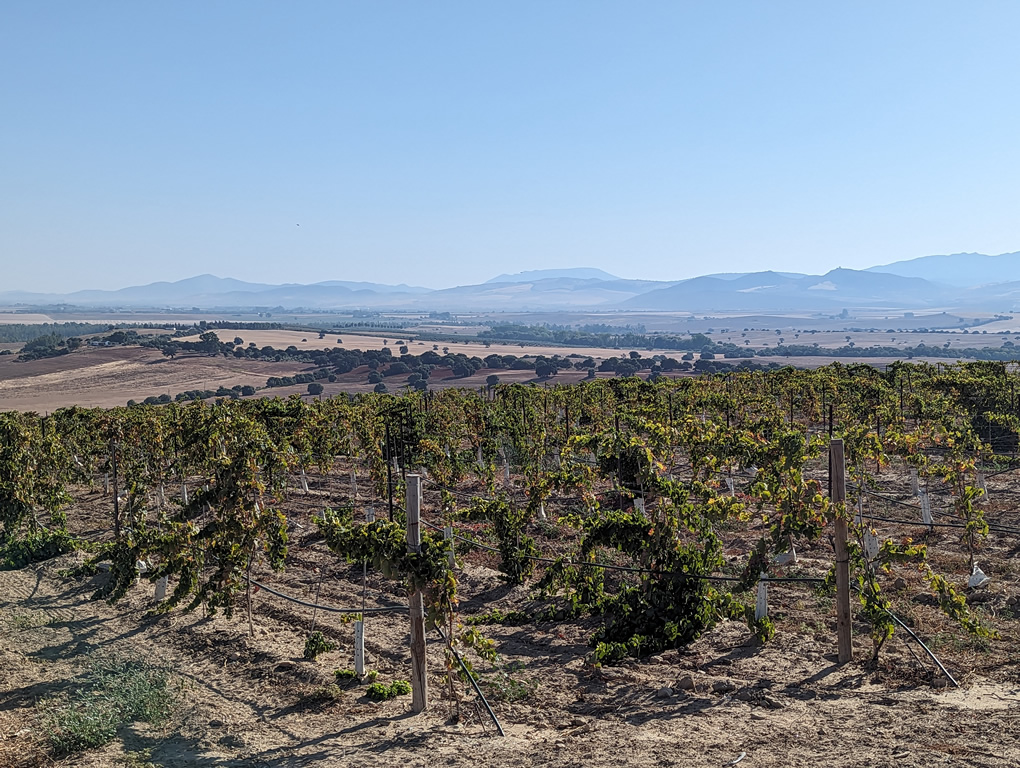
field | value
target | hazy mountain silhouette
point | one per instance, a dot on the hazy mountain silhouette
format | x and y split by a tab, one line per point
929	282
964	270
581	273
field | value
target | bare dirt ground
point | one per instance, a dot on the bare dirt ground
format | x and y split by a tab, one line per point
474	348
251	700
108	377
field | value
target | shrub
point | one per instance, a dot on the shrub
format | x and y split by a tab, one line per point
316	644
38	545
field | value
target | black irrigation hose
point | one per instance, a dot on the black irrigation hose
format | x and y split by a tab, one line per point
1001	472
997	527
927	650
991	526
469	495
865	517
328	608
890	499
474	683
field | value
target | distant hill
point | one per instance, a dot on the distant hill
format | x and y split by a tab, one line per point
778	292
547	293
377	287
972	281
580	273
963	270
168	293
735	275
209	291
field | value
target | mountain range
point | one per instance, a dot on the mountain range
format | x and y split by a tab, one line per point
957	281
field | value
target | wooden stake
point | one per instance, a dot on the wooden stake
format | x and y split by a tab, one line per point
837	495
116	500
416	601
926	517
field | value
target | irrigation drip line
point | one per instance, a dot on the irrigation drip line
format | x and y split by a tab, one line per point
890	499
927	650
469	495
921	523
322	607
991	526
1001	472
626	568
474	683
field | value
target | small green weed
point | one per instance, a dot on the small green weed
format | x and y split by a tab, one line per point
113	691
383	692
327	694
22	621
316	644
345	675
505	687
953	642
496	616
139	759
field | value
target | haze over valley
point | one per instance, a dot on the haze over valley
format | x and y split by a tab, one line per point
973	282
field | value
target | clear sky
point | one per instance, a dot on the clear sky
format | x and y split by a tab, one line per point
442	143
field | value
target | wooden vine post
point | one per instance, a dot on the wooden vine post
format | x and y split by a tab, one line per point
419	683
837	495
116	498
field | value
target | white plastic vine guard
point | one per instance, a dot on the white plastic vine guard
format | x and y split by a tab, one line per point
978	578
761	603
161	585
872	545
787	558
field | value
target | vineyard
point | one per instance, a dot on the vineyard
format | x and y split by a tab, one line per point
550	564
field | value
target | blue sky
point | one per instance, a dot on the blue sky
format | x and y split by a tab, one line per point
443	143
